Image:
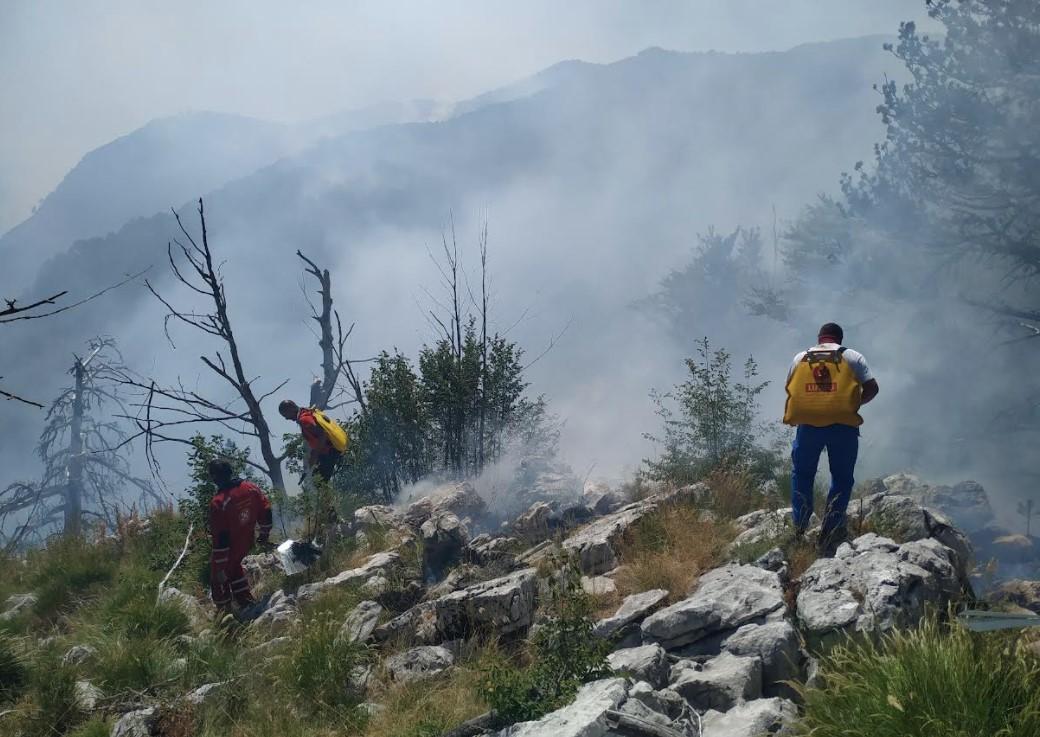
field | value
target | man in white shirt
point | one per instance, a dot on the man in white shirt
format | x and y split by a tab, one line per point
841	439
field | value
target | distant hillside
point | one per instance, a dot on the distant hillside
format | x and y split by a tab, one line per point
597	184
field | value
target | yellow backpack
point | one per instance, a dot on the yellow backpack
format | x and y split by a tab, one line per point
333	431
823	390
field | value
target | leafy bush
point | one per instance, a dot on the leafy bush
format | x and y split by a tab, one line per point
714	423
565	654
938	680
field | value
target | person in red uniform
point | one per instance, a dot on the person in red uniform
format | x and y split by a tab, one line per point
235	511
323	457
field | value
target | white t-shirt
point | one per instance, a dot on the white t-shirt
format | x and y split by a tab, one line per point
854	359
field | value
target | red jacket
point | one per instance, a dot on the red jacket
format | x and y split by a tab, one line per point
234	513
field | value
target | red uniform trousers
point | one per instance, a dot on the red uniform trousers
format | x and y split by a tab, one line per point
234	514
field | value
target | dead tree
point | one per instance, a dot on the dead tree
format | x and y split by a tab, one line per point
85	473
41	308
163	412
332	341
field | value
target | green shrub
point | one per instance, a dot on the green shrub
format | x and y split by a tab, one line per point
938	680
14	675
53	708
565	654
317	668
67	570
96	727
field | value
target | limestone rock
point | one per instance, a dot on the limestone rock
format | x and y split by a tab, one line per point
873	585
724	599
485	550
191	606
598	585
646	663
966	503
205	693
778	647
633	610
136	723
583	717
904	518
534	523
752	719
279	616
1025	594
361	622
502	606
260	569
459	498
600	498
78	654
762	525
721	683
444	540
379	564
377	517
87	696
664	701
595	545
419	663
16	604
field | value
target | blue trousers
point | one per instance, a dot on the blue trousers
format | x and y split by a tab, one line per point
842	444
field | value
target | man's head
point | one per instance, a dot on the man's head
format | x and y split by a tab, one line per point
220	471
288	409
831	332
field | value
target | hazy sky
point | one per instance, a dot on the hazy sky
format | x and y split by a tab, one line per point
76	74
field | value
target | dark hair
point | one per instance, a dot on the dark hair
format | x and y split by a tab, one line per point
220	471
832	330
286	405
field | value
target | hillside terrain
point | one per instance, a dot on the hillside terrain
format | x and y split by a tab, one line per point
686	612
660	146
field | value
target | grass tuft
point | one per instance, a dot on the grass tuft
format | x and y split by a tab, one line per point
938	679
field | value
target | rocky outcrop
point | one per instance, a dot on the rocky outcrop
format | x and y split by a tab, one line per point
721	683
586	716
419	663
444	539
379	565
595	546
724	599
965	503
17	604
777	645
645	663
361	622
1025	594
872	584
278	617
600	498
633	610
196	611
460	499
756	718
502	606
78	655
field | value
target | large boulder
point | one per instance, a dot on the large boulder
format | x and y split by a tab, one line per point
444	539
756	718
595	546
261	569
502	606
360	622
419	663
903	518
534	523
777	645
721	683
586	716
485	550
724	599
380	564
377	517
645	663
459	498
872	585
965	503
278	616
600	498
633	610
762	526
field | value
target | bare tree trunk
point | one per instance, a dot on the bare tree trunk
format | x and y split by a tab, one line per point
481	457
74	484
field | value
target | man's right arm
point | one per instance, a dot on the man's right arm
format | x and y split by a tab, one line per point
870	390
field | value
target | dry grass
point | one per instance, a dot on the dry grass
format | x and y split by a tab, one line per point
432	707
670	549
734	492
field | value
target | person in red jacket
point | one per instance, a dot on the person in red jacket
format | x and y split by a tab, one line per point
234	513
323	457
